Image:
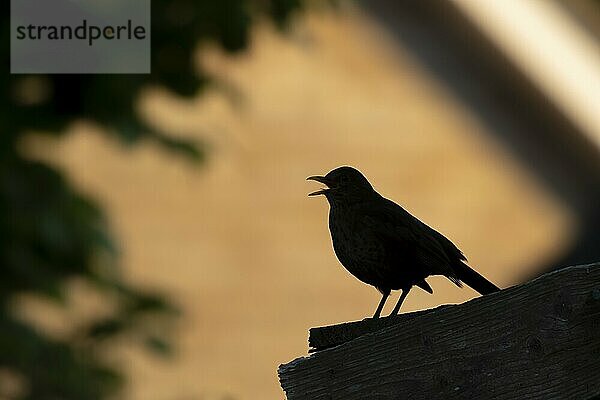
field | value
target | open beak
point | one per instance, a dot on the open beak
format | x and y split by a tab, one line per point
320	179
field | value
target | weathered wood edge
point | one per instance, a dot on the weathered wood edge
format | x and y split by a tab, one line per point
552	277
325	337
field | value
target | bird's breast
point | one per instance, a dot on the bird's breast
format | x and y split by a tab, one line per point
355	245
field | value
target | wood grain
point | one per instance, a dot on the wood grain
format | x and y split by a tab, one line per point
539	340
324	337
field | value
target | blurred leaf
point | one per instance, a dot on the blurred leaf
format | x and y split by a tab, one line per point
106	328
159	346
54	369
188	148
281	10
52	234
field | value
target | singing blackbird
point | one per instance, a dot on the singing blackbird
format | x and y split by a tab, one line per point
381	244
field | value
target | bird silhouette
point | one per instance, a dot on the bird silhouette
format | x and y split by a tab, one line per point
383	245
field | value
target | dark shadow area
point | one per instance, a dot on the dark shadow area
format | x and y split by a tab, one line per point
534	129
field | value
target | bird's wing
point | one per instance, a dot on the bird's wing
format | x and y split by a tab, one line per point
410	240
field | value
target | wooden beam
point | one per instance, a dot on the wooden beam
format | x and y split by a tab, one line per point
539	340
324	337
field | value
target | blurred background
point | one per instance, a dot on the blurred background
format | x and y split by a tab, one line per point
157	241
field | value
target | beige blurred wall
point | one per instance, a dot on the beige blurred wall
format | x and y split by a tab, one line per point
239	245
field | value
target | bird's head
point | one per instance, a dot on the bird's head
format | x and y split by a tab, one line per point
344	184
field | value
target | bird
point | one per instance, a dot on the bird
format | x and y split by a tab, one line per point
385	246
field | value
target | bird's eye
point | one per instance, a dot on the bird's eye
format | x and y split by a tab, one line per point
343	179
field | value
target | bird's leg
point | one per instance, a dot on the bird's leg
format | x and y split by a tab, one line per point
400	301
381	303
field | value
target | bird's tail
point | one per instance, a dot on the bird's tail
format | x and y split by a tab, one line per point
472	278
